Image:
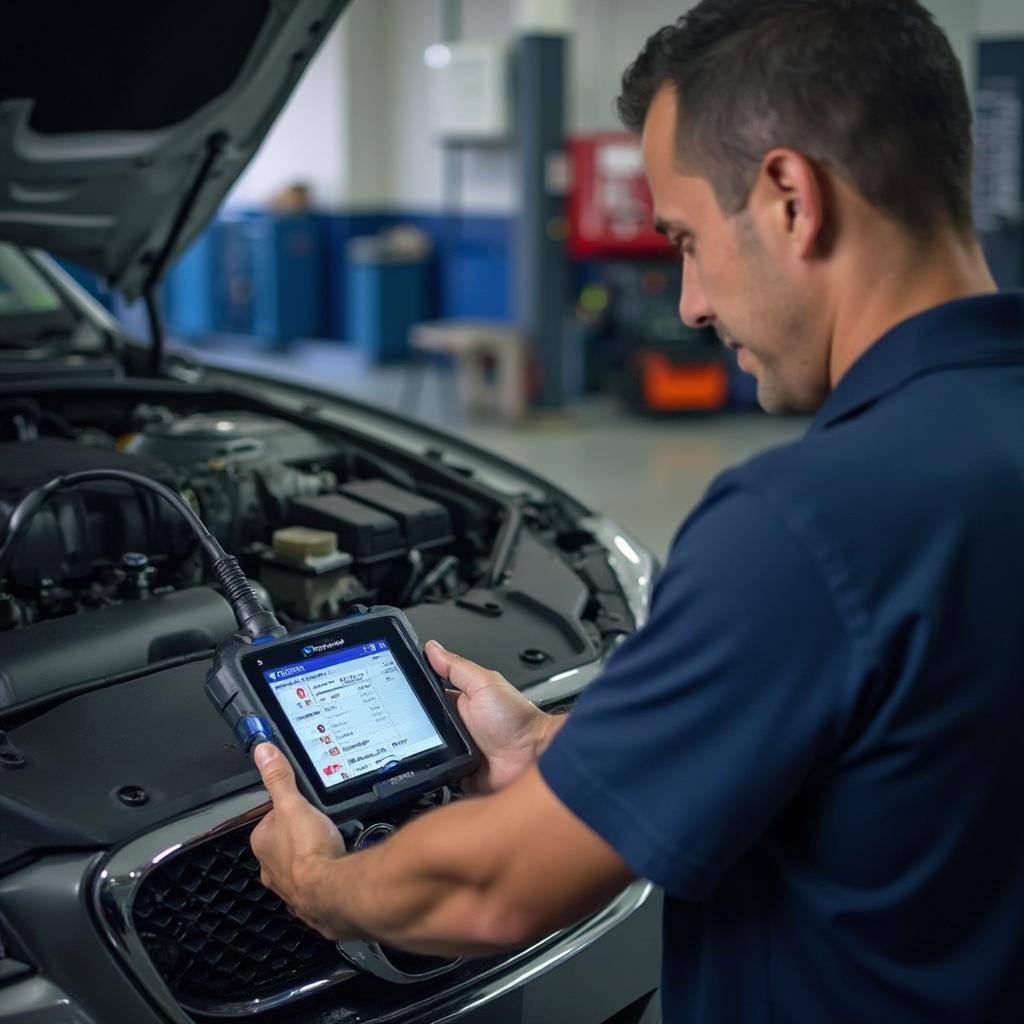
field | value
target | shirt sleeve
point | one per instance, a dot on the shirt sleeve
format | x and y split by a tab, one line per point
706	721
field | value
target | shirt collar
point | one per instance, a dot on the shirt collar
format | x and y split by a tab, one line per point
980	329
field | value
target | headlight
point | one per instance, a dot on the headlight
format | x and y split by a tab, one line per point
634	566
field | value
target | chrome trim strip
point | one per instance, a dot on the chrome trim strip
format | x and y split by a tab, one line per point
571	942
371	958
519	969
261	1005
565	684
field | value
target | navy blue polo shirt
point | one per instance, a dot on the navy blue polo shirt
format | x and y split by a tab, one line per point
816	744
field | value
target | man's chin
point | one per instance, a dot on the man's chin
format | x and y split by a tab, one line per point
771	403
776	402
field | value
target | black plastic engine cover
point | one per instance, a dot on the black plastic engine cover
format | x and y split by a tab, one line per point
157	733
425	523
365	533
528	628
91	523
46	656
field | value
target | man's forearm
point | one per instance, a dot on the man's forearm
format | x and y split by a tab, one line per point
436	885
463	879
423	887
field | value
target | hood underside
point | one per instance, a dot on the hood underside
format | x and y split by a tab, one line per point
123	125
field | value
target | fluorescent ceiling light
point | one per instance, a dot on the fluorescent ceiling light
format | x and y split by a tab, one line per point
437	56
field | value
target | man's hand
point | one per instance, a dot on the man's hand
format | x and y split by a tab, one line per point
510	731
294	843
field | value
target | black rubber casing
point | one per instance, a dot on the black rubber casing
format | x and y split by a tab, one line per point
237	689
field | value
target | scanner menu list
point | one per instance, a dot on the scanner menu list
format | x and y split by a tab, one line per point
354	711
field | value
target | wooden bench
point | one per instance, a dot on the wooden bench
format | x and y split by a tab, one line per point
490	358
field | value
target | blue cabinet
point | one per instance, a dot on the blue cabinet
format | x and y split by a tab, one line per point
384	296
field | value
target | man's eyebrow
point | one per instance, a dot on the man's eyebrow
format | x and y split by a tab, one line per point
670	227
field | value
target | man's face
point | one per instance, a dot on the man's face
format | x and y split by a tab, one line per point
739	275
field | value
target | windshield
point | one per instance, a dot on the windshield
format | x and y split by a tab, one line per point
34	312
23	290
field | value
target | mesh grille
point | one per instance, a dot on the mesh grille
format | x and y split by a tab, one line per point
215	934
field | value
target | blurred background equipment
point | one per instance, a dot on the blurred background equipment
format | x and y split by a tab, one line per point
611	213
999	157
387	290
489	183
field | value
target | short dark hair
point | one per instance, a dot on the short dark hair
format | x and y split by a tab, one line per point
869	88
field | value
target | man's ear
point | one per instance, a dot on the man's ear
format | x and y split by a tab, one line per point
790	198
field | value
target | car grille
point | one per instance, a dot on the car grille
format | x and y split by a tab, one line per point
215	934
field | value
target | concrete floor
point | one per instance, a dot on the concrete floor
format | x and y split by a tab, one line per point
645	473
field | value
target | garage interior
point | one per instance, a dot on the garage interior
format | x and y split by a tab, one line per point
434	300
389	193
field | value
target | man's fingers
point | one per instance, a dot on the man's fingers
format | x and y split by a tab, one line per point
275	771
463	674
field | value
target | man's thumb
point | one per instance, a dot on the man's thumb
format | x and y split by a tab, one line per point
274	769
440	659
459	672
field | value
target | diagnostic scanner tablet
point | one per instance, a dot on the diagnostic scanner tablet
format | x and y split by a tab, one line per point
355	706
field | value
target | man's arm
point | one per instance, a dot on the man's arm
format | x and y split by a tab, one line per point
475	877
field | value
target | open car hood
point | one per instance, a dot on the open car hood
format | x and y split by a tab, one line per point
124	124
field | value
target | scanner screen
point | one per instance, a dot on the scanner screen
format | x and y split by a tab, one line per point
354	710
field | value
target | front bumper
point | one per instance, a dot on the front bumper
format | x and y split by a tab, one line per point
585	974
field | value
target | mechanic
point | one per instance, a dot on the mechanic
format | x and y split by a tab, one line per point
814	745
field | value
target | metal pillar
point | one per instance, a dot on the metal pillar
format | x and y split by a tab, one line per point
542	270
999	157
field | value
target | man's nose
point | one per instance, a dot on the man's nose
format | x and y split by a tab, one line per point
693	304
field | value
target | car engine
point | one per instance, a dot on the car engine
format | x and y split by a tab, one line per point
319	524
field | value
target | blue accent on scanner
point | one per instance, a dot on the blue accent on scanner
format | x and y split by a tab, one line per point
251	730
262	640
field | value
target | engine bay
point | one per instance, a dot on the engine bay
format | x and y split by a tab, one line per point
107	580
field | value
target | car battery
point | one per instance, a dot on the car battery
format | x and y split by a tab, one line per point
367	534
424	523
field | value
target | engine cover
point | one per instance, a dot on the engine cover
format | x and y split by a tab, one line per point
230	436
86	525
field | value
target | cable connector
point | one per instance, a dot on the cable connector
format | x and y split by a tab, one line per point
253	619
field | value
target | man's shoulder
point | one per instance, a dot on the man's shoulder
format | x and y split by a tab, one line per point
899	444
758	506
830	489
812	469
937	458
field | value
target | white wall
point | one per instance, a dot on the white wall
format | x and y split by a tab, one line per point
372	98
609	35
307	142
487	175
1000	17
359	127
414	25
